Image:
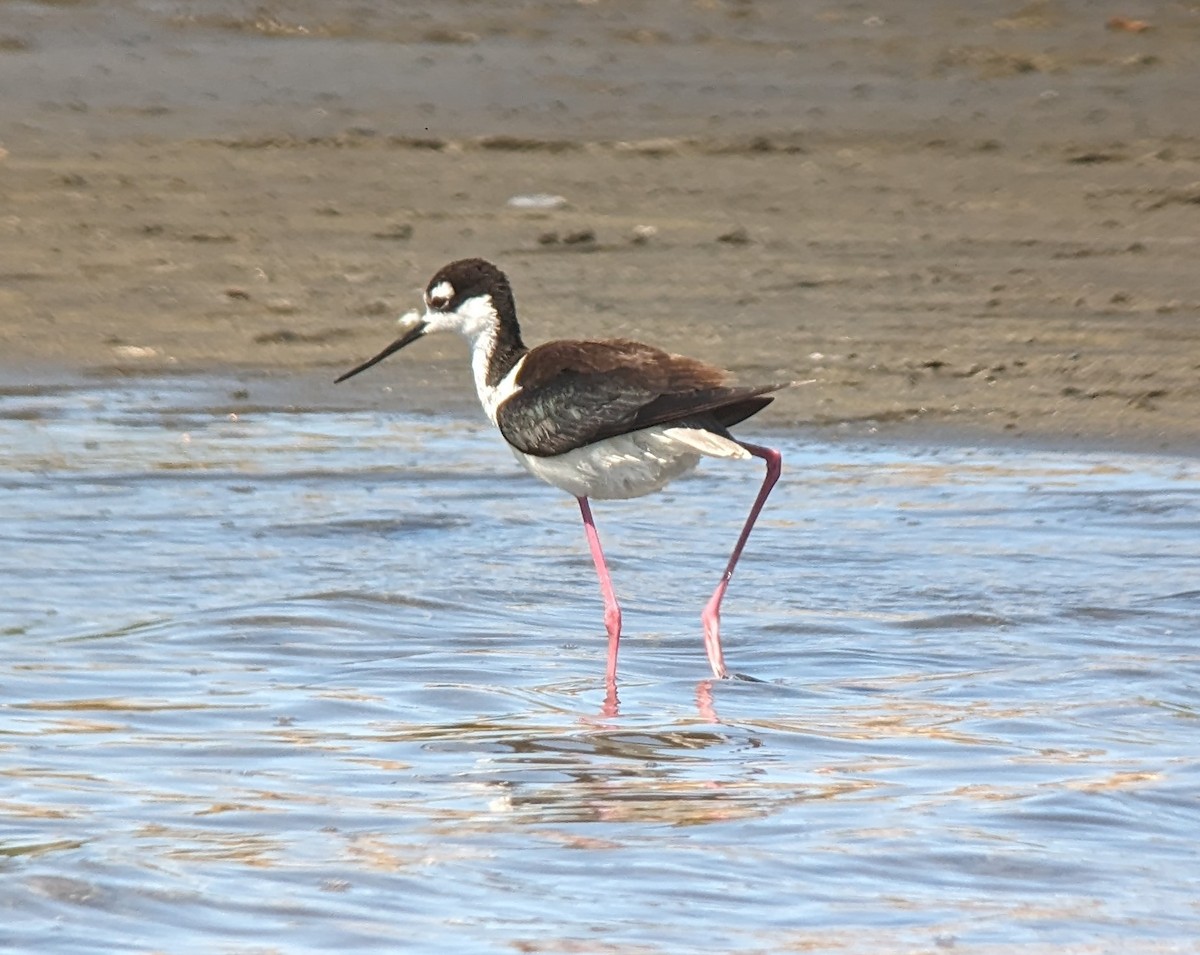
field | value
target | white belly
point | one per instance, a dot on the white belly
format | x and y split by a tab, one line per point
630	465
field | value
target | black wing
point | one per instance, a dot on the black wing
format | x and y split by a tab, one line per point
578	393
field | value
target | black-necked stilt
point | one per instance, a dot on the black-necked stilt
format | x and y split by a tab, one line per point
599	419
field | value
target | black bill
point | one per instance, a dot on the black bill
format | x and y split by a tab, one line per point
407	338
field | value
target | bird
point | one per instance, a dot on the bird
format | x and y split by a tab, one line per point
604	419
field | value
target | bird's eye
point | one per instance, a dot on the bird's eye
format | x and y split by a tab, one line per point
439	296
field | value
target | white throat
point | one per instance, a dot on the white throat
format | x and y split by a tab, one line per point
477	321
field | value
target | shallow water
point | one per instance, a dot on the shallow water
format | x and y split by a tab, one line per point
302	680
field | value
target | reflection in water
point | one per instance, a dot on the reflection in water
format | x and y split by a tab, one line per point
286	684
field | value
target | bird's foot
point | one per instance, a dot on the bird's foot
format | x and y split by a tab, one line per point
612	623
711	618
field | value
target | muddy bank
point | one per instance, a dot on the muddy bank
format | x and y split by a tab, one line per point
930	236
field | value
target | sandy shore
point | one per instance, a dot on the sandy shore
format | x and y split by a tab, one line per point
986	226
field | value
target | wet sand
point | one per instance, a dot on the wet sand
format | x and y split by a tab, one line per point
956	223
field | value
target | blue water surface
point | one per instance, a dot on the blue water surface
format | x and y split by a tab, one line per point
286	679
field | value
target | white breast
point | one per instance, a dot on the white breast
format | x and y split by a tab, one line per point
492	397
630	465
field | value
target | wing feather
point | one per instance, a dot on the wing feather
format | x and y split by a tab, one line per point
571	394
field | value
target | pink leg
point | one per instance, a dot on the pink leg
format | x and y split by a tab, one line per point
612	611
711	617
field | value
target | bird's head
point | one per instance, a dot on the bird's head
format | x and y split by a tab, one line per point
470	296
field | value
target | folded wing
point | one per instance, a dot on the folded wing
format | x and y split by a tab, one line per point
574	393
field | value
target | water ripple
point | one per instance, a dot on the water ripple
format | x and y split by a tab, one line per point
274	681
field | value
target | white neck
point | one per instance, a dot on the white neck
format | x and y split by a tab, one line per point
477	321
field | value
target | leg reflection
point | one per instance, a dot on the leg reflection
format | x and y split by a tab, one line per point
704	701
